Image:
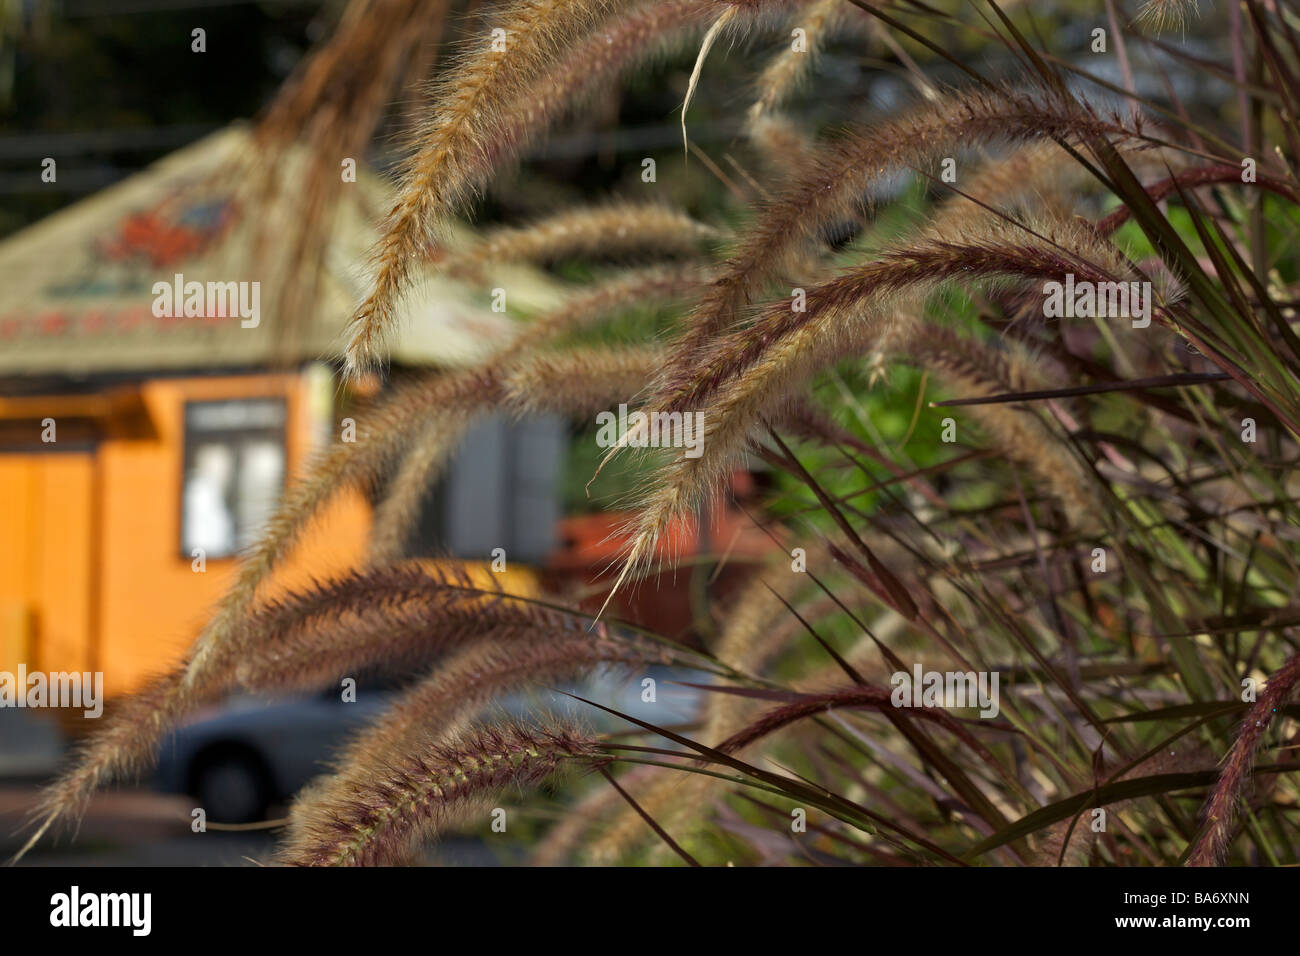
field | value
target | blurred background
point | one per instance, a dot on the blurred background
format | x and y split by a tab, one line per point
145	139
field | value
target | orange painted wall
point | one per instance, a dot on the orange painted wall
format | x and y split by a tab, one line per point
45	561
18	478
133	608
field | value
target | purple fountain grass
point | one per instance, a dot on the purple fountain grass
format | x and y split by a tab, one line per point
449	165
1211	845
458	689
843	172
415	796
613	229
1145	560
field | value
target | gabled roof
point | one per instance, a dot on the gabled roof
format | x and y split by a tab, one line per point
77	289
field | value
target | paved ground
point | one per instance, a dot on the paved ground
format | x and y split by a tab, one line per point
141	828
127	828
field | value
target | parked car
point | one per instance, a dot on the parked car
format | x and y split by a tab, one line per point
240	759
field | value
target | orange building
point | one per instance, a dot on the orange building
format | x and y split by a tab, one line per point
141	448
101	563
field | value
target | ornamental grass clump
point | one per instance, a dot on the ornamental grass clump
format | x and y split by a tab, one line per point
1095	506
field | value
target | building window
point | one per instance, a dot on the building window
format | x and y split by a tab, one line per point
234	473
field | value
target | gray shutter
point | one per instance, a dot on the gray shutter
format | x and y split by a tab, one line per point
503	489
534	506
476	487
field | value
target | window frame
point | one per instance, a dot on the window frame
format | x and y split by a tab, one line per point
192	438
